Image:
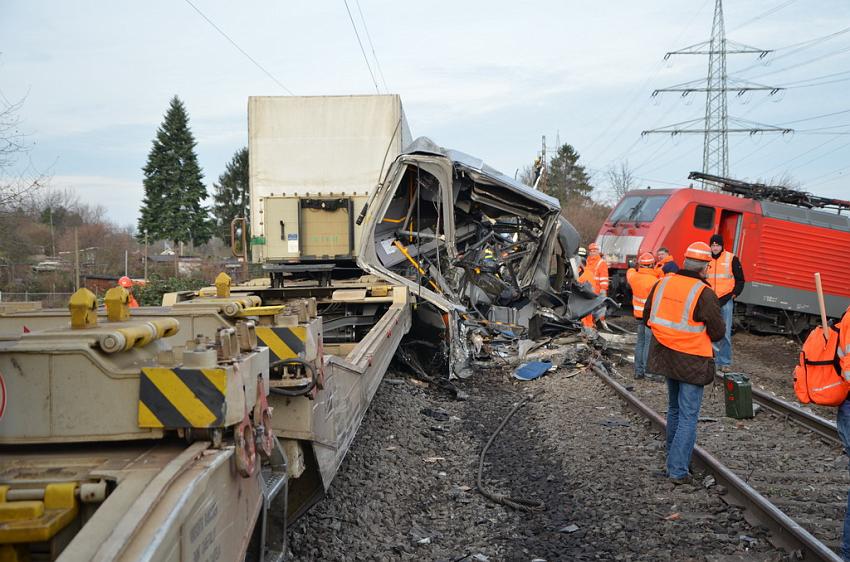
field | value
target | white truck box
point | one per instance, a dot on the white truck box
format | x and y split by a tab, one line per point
313	161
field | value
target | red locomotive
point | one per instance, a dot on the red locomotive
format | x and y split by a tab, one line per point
781	236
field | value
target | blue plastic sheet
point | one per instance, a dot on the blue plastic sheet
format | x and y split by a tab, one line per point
532	370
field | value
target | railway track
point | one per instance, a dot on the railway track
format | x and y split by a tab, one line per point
788	481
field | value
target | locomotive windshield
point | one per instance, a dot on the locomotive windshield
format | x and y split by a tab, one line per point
638	208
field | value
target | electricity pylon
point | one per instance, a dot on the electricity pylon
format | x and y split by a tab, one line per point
716	129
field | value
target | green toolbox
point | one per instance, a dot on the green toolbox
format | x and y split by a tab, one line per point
739	395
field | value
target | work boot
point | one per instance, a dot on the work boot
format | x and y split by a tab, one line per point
725	368
640	376
686	479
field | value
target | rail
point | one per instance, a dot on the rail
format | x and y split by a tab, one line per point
786	532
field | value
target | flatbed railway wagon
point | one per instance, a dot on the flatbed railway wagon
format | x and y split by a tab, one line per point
781	236
116	446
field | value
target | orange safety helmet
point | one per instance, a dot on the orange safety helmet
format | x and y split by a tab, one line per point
698	251
646	259
593	247
125	282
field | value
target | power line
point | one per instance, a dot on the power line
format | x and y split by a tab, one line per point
812	42
637	95
816	117
815	78
799	64
795	48
819	146
362	50
763	15
816	84
372	46
818	157
241	50
758	149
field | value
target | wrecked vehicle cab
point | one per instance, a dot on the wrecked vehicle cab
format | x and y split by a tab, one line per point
487	256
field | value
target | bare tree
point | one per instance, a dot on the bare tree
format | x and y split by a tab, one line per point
621	179
13	143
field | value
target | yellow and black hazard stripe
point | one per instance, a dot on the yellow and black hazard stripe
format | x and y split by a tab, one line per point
283	342
176	398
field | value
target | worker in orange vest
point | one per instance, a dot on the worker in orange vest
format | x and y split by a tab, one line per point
641	281
127	283
599	269
726	277
685	320
585	276
843	421
664	264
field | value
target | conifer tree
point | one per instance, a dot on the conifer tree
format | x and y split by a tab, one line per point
567	179
231	193
174	191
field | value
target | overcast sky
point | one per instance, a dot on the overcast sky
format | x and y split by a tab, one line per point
488	78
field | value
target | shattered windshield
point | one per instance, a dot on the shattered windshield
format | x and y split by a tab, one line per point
638	208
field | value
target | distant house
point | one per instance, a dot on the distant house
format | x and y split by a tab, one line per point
186	265
50	265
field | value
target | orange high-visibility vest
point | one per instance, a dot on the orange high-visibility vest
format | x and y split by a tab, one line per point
720	274
843	350
659	266
599	267
672	316
586	276
641	281
132	302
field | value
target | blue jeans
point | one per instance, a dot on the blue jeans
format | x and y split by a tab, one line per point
644	337
723	348
683	404
843	422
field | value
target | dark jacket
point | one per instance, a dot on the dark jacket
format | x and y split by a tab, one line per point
670	267
685	367
738	273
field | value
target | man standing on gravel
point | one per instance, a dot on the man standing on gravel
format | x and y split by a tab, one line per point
726	277
685	320
641	281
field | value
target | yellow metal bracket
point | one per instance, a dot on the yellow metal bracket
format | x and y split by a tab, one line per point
83	307
261	310
117	304
37	521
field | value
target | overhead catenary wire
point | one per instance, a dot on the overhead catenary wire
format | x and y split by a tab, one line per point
362	50
240	49
372	47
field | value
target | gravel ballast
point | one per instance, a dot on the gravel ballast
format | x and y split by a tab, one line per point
406	491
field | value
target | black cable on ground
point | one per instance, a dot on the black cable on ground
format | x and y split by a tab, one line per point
514	503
